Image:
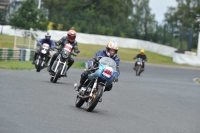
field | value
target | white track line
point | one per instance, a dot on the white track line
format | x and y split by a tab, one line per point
195	80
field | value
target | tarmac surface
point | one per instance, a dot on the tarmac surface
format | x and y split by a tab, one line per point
161	100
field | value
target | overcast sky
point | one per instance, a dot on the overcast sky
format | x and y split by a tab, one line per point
159	7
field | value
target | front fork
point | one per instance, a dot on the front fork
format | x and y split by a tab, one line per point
94	87
38	60
63	68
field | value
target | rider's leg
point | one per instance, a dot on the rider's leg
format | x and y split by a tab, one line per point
84	76
70	62
48	58
108	88
142	68
135	65
52	60
34	57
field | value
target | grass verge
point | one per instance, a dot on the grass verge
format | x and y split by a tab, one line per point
88	51
18	65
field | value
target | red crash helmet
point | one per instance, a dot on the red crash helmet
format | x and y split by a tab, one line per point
71	35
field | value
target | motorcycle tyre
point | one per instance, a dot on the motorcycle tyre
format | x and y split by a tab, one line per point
79	101
39	66
138	69
57	75
95	101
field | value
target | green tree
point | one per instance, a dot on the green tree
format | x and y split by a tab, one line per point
142	20
107	17
28	17
183	18
2	16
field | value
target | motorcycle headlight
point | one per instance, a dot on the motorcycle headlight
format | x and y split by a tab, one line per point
64	54
44	51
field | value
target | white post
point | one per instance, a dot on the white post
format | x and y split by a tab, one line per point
30	37
198	46
35	43
29	42
39	4
15	41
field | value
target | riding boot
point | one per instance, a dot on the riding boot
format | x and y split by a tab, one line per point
79	87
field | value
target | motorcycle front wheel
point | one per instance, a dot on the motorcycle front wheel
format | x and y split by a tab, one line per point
57	75
39	66
138	69
51	79
94	99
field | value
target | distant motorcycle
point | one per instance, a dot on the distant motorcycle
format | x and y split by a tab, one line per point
138	69
104	74
41	58
60	64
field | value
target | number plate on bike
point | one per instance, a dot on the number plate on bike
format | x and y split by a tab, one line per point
45	46
107	72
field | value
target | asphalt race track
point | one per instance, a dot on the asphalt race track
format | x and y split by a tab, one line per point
161	100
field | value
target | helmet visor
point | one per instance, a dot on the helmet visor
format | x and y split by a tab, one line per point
48	37
72	37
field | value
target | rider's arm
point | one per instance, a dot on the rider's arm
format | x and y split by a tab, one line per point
145	58
52	44
40	42
137	56
96	58
98	53
117	60
60	42
118	70
76	48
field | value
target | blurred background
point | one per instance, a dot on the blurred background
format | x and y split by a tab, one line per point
128	18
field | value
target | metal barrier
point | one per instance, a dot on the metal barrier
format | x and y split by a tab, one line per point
16	54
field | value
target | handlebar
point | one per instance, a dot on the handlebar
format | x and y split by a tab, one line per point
74	54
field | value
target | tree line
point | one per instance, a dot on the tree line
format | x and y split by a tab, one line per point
122	18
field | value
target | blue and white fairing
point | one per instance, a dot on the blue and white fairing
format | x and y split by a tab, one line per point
106	70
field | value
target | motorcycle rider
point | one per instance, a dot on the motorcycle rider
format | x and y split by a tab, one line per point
69	39
111	51
45	40
141	55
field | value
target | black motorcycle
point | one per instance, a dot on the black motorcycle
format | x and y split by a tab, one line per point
59	66
42	57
